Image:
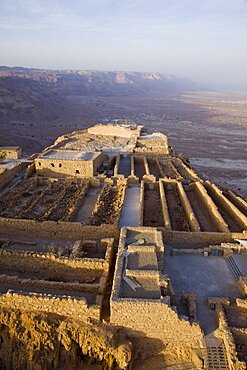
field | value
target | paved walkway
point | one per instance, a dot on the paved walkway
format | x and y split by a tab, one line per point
131	207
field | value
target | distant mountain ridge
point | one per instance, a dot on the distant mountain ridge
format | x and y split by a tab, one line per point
102	83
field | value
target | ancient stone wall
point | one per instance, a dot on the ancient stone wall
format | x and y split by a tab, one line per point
65	306
50	167
56	230
201	238
11	152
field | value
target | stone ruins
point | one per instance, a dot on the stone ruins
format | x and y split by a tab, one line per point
115	253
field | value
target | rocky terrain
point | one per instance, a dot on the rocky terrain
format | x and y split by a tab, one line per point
41	341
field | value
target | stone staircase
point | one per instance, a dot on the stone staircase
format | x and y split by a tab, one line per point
215	354
233	267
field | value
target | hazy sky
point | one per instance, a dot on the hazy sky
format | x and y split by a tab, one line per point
205	40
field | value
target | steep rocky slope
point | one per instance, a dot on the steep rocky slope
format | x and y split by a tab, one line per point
38	341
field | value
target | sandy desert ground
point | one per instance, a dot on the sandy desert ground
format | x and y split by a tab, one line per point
210	127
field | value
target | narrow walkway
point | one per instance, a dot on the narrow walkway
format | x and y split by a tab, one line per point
131	207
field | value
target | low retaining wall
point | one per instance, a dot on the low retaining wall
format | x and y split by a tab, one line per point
199	238
56	230
70	306
45	284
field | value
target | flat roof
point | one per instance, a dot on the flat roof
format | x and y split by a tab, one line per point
70	155
151	137
9	147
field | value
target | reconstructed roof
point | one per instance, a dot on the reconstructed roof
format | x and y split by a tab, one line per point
9	147
70	155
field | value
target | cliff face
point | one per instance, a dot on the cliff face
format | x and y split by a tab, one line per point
37	341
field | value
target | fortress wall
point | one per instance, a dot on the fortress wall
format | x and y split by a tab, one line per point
7	175
194	225
166	217
235	213
211	207
164	323
56	230
70	306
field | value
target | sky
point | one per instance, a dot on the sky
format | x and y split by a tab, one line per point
204	40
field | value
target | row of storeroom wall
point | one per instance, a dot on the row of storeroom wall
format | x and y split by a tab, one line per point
170	204
189	207
140	166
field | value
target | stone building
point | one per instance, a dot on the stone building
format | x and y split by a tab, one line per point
69	163
10	152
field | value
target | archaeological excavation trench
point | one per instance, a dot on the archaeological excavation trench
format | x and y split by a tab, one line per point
124	166
152	208
227	215
153	168
169	170
201	212
85	211
176	211
139	168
